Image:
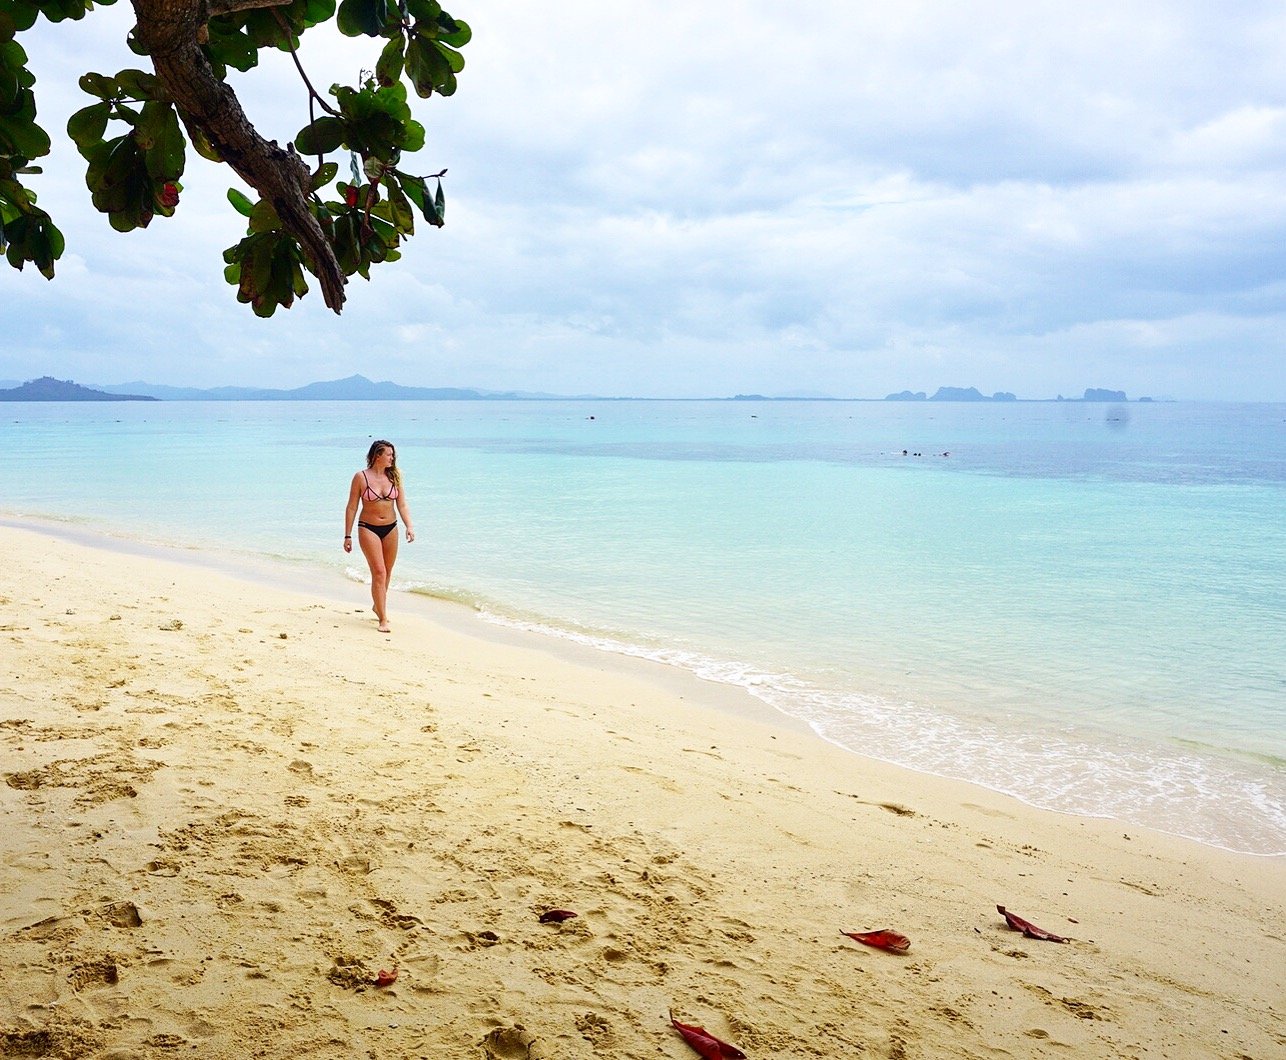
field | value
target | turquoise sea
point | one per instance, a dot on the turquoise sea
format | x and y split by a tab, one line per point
1083	605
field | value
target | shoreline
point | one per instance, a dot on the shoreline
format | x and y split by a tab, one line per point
460	617
454	615
228	805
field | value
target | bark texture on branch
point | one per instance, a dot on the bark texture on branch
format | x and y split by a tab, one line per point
168	28
227	7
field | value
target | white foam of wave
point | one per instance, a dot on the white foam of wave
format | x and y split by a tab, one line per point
1212	801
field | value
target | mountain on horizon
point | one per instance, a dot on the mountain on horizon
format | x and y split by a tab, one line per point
47	388
359	388
352	388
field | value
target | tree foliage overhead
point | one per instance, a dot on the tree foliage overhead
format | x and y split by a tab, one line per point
135	132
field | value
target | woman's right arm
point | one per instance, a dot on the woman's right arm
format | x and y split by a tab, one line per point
350	513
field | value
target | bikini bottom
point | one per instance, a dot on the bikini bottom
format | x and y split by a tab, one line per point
382	531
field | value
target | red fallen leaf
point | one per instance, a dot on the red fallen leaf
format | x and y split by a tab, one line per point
386	978
881	940
705	1043
556	916
1027	927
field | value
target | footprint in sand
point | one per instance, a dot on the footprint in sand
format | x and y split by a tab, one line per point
118	914
510	1043
101	972
52	930
162	867
594	1029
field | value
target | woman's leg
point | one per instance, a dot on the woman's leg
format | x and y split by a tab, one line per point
390	557
373	549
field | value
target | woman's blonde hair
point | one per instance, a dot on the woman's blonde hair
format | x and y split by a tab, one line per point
378	446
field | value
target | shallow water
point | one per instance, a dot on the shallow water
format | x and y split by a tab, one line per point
1082	605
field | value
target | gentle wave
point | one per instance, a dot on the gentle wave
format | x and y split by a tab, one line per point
1196	797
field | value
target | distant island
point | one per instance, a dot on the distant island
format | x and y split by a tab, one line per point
47	388
951	393
359	388
352	388
955	393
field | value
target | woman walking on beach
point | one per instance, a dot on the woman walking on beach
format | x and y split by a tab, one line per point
379	489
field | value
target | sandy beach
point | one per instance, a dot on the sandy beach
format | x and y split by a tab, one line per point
228	807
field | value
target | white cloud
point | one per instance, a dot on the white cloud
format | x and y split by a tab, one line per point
1246	137
696	199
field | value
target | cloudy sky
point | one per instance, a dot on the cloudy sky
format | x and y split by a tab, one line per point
681	200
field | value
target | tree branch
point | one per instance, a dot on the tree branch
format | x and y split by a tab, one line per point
214	8
168	29
312	92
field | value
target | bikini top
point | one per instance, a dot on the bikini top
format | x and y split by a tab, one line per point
369	494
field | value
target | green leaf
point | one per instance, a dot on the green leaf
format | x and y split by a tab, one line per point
119	183
32	237
425	66
375	136
19	133
399	206
240	203
171	147
100	86
9	87
138	85
230	45
424	10
13	54
345	242
458	36
57	244
413	138
322	136
263	218
318	11
362	16
203	146
58	10
389	68
325	174
88	123
454	59
147	127
433	209
23	13
260	264
161	139
129	219
439	208
135	45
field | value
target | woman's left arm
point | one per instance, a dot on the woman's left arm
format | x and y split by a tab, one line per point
405	512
